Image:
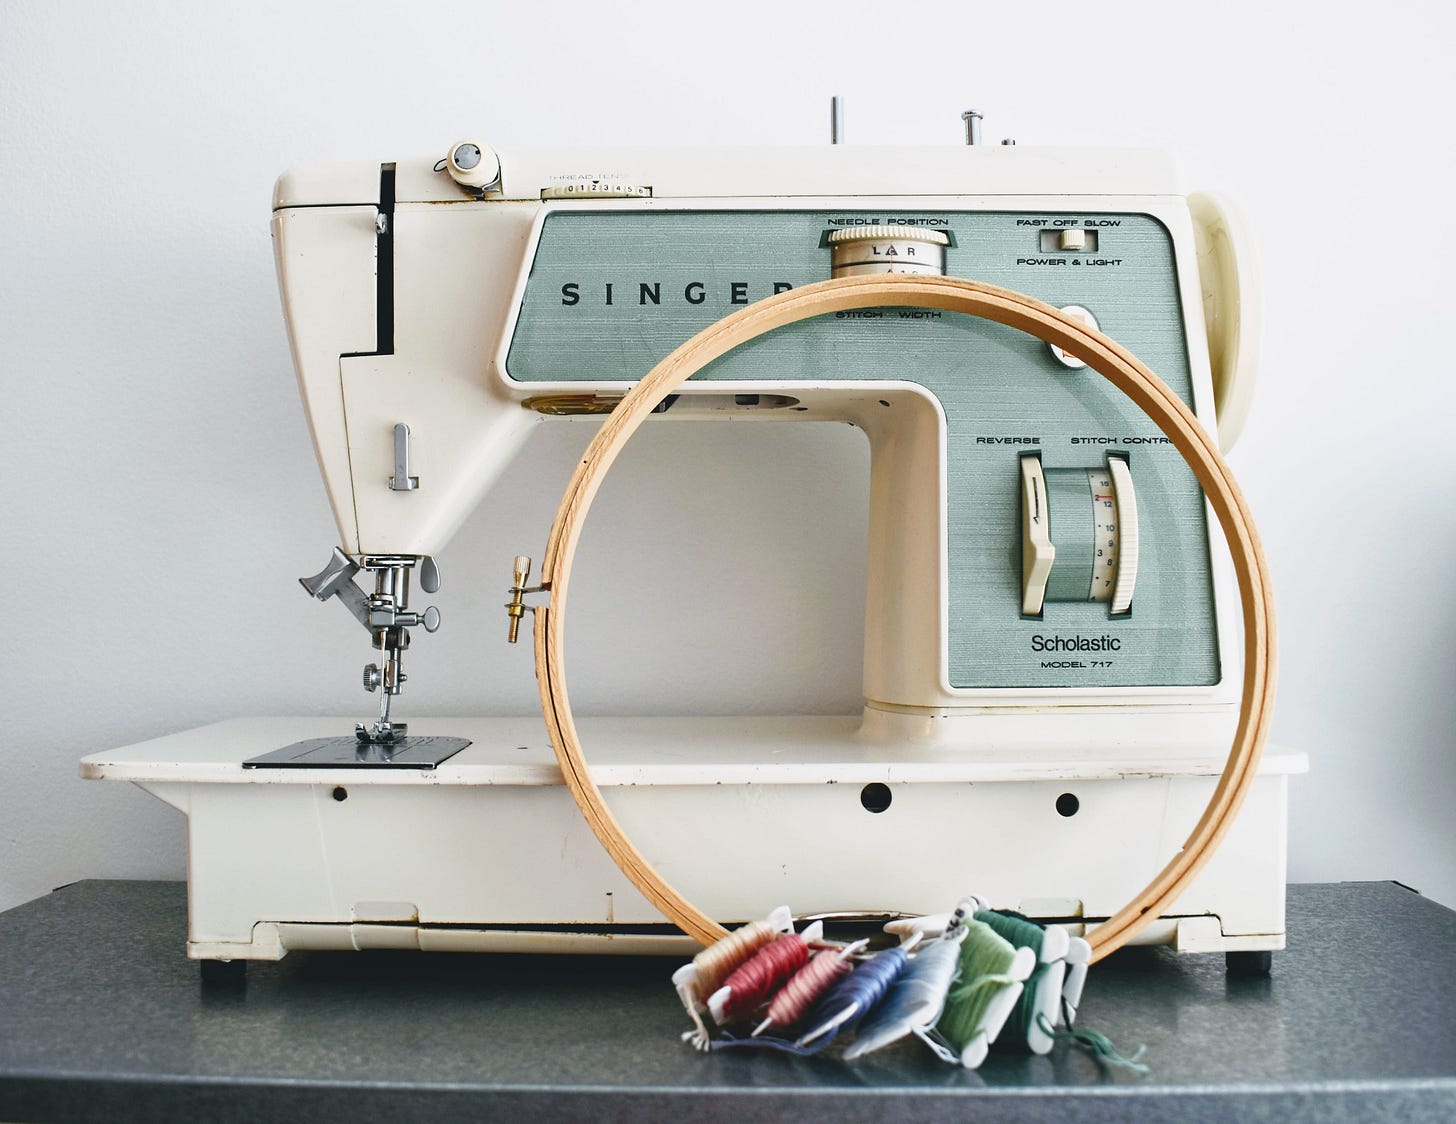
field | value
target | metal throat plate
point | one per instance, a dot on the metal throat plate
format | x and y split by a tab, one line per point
347	752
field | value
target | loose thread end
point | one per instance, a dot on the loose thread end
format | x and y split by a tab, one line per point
1099	1045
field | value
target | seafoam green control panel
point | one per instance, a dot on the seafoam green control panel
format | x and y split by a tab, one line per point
1077	547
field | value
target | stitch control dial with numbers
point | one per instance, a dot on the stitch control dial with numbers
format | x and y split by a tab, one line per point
1079	535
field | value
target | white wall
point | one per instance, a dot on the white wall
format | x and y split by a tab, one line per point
158	494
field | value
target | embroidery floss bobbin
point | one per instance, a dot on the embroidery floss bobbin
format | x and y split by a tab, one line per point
855	996
1033	1021
697	980
992	971
1048	943
935	924
752	982
1040	998
1079	954
807	986
915	1000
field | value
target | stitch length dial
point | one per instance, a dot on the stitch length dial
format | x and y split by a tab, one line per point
1104	534
1079	535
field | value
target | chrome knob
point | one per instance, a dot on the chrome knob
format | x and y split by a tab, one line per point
371	677
431	619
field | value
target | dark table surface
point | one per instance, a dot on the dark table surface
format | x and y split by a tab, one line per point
103	1017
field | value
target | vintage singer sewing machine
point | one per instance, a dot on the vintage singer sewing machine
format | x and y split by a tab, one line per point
1050	659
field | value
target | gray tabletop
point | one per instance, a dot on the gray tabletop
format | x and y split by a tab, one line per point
102	1016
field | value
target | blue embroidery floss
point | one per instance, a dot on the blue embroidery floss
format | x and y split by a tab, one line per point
854	996
915	1000
988	974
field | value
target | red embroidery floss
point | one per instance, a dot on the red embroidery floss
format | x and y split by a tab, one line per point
750	986
700	978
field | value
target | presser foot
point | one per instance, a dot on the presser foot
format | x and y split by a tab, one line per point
424	751
383	732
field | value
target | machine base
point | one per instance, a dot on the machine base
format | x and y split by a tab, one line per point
487	852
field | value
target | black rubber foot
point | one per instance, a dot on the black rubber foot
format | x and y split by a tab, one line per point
223	973
1242	963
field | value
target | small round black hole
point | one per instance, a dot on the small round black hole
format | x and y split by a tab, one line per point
875	797
1067	804
883	402
341	793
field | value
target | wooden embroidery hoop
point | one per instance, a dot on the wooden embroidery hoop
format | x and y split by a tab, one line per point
1003	306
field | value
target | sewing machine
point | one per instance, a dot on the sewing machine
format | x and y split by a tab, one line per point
1050	661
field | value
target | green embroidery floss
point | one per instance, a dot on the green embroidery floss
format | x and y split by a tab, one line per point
1032	1025
1039	998
1026	1026
1020	931
991	971
1100	1045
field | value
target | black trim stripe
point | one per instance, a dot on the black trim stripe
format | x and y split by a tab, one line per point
384	266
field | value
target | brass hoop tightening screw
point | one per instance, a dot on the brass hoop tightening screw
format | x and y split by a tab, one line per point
516	606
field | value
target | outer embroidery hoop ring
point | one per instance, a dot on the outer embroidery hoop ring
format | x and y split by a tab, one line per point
1003	306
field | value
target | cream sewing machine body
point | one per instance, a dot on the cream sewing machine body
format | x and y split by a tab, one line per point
1073	686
